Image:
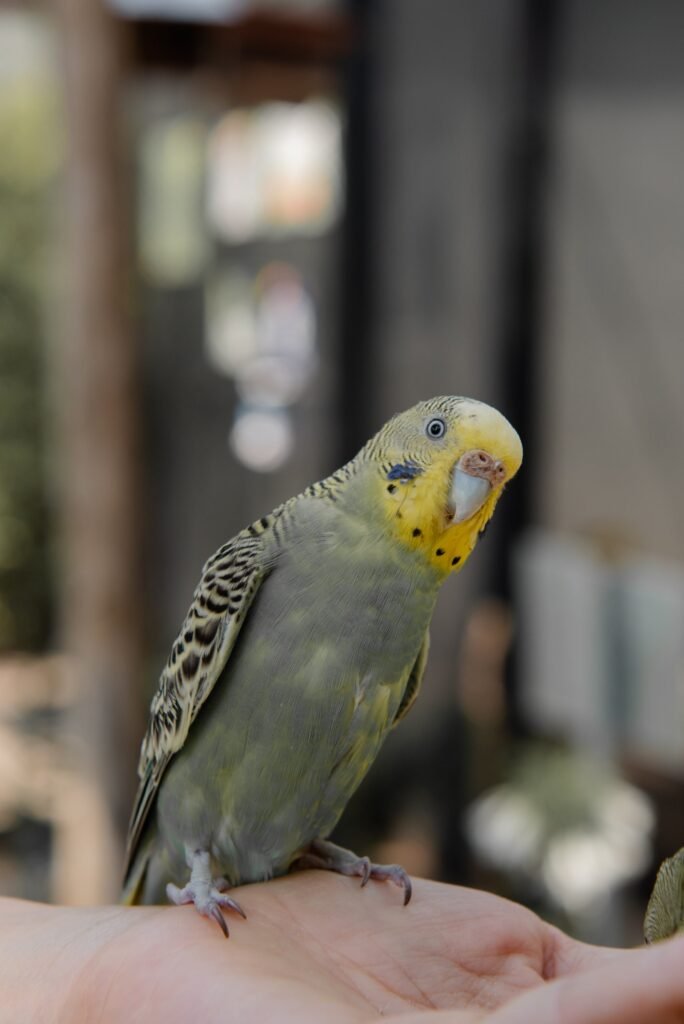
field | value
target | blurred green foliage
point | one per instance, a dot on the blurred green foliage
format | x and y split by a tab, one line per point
29	161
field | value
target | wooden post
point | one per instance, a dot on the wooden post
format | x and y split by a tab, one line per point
95	400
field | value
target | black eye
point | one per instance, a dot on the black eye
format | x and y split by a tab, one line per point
435	428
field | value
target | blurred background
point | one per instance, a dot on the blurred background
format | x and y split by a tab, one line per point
235	237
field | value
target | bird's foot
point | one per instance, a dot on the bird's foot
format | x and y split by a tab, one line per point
326	856
206	893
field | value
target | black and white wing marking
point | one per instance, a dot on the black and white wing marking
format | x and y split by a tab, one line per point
230	580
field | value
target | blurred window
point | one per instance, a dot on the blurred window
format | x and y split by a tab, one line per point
262	333
275	170
217	10
172	237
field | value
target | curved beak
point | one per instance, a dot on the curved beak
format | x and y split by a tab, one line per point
474	475
467	495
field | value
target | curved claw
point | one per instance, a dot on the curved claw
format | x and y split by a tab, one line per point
219	918
207	898
393	873
230	904
327	856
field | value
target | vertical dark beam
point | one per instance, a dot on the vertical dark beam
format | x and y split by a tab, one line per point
95	370
356	362
526	180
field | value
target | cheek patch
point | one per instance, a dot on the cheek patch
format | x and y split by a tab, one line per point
404	471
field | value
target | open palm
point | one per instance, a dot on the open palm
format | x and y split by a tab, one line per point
317	948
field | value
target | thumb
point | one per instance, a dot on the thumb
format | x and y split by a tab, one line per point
644	984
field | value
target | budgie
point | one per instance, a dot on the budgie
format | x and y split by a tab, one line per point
305	643
665	911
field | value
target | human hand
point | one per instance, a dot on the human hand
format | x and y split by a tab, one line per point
317	948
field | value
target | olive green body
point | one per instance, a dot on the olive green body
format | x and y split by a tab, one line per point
312	686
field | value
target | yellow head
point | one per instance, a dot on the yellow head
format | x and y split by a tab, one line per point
443	466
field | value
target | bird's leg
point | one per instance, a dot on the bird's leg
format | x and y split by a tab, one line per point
328	857
204	891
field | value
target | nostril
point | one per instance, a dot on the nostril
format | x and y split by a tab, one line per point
482	457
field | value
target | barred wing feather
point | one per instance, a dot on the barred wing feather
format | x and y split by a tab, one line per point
229	582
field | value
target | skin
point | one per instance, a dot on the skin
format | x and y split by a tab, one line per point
310	952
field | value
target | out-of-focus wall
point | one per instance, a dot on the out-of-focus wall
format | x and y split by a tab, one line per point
613	358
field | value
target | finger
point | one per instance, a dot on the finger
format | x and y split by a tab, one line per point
442	1017
637	986
565	956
